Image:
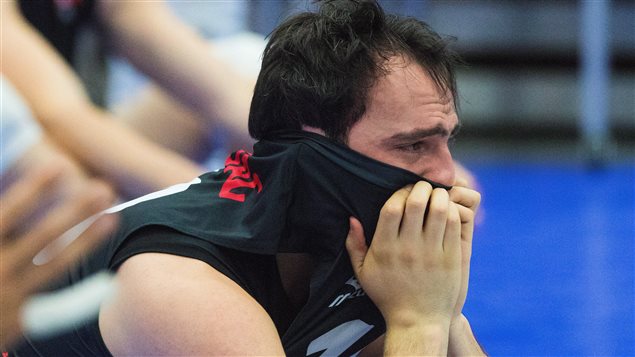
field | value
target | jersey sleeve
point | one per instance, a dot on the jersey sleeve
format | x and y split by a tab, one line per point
257	274
162	239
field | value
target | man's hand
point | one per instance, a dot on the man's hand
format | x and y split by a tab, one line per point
19	277
467	201
412	270
462	341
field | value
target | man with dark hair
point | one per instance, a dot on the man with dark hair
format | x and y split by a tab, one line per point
328	240
318	67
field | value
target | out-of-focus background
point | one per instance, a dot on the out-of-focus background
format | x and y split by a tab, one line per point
548	112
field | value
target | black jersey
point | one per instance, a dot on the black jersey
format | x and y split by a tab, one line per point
294	194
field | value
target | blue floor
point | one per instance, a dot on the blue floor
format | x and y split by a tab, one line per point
553	262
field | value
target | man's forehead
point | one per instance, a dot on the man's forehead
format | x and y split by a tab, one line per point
407	106
406	80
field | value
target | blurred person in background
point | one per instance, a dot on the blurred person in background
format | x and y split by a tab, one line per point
26	149
44	193
27	227
155	42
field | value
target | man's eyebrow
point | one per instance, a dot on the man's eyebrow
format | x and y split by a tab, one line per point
419	134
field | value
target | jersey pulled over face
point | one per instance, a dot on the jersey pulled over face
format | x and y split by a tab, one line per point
408	123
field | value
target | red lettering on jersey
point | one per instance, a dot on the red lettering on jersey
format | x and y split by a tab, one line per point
239	176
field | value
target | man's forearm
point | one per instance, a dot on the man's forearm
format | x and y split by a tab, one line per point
462	341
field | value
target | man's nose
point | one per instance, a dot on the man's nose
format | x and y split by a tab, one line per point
443	169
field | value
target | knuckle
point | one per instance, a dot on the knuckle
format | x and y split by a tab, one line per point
477	198
440	192
408	257
416	203
469	215
401	193
454	218
391	210
426	186
466	214
439	206
453	213
383	256
456	191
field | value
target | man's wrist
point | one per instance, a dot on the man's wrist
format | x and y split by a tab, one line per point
462	340
459	324
422	338
408	319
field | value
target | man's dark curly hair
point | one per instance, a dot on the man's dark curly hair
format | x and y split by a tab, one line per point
318	68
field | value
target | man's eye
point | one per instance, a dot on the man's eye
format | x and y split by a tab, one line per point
414	147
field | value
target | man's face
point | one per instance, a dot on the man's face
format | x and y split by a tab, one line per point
408	123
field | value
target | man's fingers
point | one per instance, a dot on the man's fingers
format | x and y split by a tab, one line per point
466	215
23	197
467	228
461	182
356	245
465	197
391	214
415	210
452	234
435	222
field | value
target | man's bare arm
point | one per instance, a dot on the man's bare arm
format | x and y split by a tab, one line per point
171	305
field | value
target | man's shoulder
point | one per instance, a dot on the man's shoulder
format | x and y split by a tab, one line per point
159	294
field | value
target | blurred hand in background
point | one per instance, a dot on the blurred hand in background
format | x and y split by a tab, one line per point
29	222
